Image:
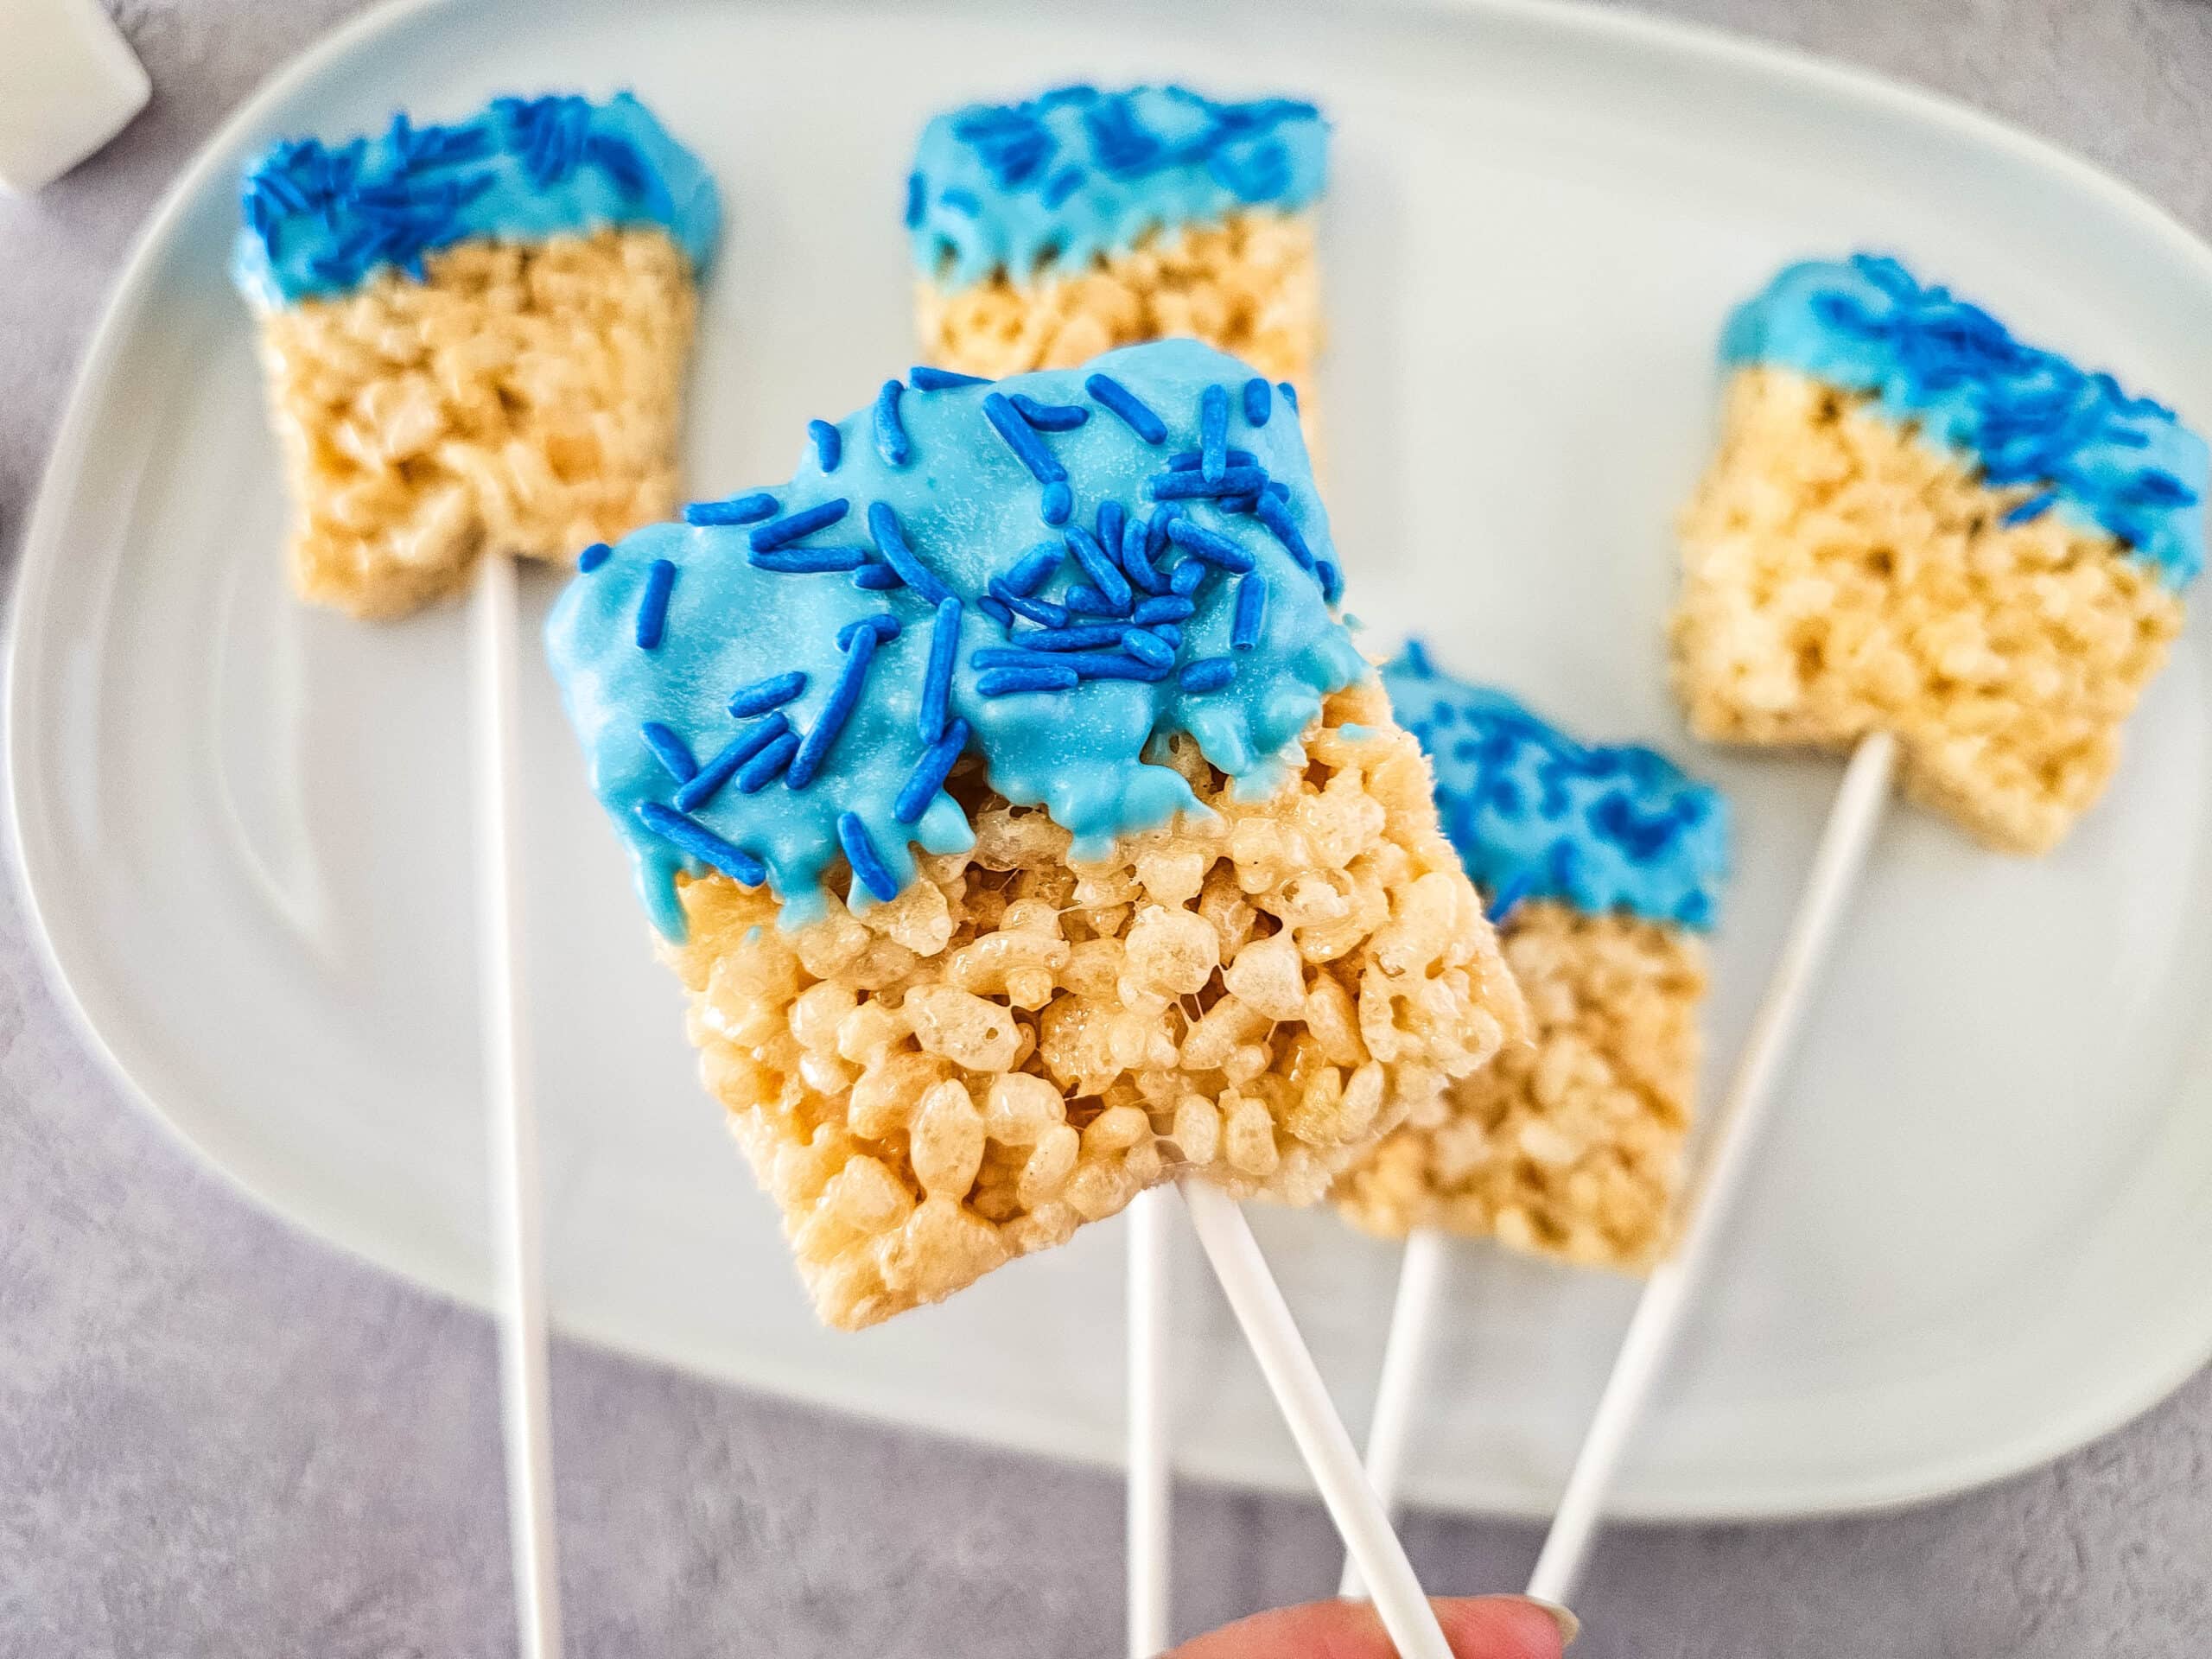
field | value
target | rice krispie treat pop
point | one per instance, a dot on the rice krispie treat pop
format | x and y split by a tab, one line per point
1012	800
1603	866
1918	524
1047	231
474	338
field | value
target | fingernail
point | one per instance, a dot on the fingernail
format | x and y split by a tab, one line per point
1569	1625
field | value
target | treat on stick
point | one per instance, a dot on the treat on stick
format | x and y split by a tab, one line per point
1916	524
1021	819
474	338
1047	231
1602	867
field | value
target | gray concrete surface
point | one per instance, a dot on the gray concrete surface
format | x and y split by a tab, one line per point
217	1438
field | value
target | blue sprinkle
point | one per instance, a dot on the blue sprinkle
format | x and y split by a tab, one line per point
1112	515
1104	574
1170	633
1507	897
876	578
1006	657
1050	418
690	835
1059	503
1190	576
1213	432
762	769
1276	518
881	624
1289	394
891	541
737	510
828	444
961	201
1209	545
1259	402
803	561
1135	535
1115	665
917	198
1333	581
793	525
891	439
671	751
929	774
2033	507
1036	610
1086	600
706	782
860	651
1034	569
1117	399
593	557
995	610
1168	608
868	868
1185	486
1082	637
761	695
922	378
1043	677
1027	448
1155	533
1147	648
937	678
1251	612
652	607
1063	184
1187	460
1208	674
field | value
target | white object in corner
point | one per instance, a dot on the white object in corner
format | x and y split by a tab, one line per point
69	83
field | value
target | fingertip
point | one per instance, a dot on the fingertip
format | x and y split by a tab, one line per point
1505	1627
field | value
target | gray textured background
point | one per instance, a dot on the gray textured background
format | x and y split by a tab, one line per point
217	1438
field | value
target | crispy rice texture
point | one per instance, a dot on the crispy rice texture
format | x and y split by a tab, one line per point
1571	1147
523	399
1018	1045
1842	576
1246	286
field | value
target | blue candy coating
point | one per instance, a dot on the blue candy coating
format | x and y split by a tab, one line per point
321	219
1535	813
2125	465
1050	185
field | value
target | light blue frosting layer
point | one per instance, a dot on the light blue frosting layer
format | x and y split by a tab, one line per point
935	487
1536	814
2106	460
1052	184
321	219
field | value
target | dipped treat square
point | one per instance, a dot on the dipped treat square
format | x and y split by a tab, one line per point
1603	866
1046	231
1009	796
1916	522
473	337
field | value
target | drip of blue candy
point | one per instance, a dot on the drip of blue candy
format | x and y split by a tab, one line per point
1050	571
322	219
1053	183
2106	460
1536	814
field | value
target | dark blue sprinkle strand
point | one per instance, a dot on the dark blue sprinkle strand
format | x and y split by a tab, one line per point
652	604
1115	398
1189	577
1333	581
995	609
1155	530
1187	460
1207	674
688	836
1134	562
1112	515
779	532
671	751
1210	545
1105	575
1006	682
925	378
593	557
1259	402
737	510
765	768
1036	610
868	868
1086	600
930	773
1059	503
1289	394
2033	507
937	678
882	625
1050	418
1082	636
1213	432
1148	648
860	651
1251	612
1034	569
1170	633
876	578
761	695
1507	897
1186	487
802	560
1167	609
1028	448
1276	517
828	444
891	439
706	782
891	541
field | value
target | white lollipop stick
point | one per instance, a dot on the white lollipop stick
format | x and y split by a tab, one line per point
1837	862
1256	1300
525	1407
1151	1491
1413	1317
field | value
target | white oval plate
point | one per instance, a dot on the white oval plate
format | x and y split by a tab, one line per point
1980	1229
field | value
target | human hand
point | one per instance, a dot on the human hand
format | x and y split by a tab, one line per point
1477	1627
